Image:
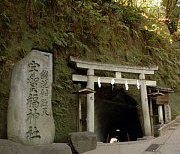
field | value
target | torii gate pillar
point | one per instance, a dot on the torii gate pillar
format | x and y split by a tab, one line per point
145	106
90	101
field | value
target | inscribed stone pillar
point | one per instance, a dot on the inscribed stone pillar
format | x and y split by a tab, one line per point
167	110
30	118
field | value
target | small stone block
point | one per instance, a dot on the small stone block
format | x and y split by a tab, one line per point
83	141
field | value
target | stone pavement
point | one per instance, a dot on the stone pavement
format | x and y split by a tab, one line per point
168	143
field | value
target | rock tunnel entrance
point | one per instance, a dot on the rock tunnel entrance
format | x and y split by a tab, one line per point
116	115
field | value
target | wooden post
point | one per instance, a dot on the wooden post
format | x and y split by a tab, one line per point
118	75
90	101
80	114
145	106
151	115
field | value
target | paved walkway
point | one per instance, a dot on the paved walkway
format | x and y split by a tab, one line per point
168	143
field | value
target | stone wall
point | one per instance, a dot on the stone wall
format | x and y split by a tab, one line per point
9	147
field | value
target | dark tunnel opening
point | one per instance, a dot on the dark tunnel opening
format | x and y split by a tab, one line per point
116	116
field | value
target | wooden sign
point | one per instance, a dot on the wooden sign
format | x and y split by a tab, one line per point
163	99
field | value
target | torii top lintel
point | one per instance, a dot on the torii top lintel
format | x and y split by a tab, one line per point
111	67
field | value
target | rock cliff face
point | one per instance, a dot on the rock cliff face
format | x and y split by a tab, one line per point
95	31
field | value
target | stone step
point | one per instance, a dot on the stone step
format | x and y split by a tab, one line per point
176	124
172	128
145	138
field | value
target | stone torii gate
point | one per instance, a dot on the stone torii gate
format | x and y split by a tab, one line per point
90	78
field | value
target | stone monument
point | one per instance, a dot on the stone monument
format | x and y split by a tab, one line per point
30	118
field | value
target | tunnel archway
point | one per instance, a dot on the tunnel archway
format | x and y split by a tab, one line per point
116	115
